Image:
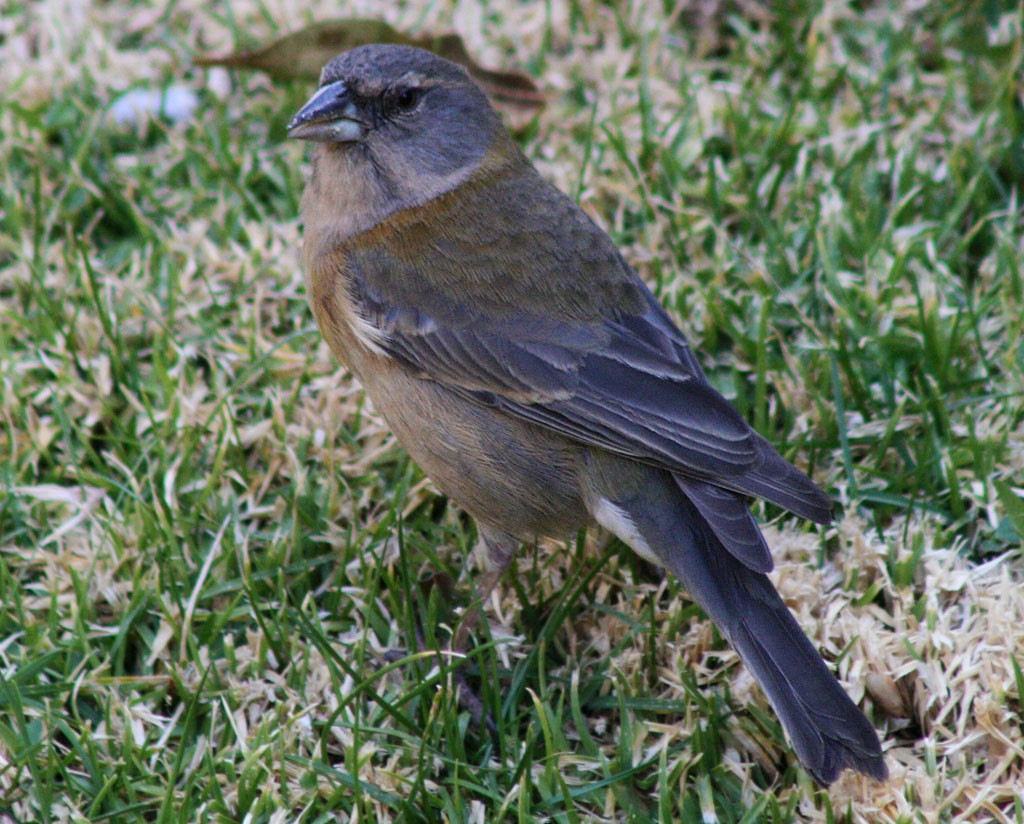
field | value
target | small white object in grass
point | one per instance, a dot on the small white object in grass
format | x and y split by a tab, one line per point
218	81
175	103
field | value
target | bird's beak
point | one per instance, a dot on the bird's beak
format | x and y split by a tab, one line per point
330	115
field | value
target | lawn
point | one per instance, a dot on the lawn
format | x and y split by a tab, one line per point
215	560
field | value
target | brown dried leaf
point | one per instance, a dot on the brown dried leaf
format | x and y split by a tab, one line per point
886	695
303	53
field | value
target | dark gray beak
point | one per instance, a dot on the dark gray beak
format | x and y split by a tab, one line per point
330	115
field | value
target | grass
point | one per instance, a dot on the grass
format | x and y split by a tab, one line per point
209	540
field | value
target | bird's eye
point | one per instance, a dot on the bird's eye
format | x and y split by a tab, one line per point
407	98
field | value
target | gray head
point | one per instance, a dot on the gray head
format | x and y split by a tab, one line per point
402	114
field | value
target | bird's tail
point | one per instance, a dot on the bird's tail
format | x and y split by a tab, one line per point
828	731
721	563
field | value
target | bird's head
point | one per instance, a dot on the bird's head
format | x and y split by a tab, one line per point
413	122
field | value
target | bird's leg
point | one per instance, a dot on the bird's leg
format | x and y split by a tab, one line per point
499	549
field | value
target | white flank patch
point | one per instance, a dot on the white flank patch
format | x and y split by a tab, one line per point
617	521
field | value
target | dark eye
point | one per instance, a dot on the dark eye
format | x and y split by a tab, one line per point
407	98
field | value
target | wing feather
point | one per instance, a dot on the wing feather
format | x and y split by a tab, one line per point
575	343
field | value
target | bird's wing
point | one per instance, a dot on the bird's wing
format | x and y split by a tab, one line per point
629	384
545	321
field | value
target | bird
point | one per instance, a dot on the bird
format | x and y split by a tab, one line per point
534	377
